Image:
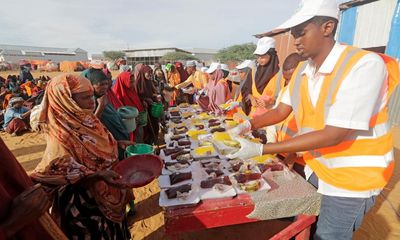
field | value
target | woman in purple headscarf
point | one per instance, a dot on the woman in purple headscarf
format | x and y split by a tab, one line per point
215	92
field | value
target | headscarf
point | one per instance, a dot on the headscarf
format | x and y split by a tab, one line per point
262	77
182	72
245	90
14	100
127	96
145	88
265	73
78	145
216	91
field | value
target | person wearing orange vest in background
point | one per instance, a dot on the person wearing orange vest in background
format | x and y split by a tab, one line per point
267	69
287	128
339	98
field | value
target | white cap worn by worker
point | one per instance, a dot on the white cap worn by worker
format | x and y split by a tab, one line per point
309	9
245	64
263	45
213	67
224	67
191	63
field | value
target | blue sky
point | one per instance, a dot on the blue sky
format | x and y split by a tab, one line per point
97	25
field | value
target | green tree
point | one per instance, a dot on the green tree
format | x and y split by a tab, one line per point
113	55
236	53
176	56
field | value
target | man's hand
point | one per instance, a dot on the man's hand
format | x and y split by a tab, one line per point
248	149
290	160
240	129
25	208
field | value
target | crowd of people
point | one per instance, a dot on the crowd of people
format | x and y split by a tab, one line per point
326	140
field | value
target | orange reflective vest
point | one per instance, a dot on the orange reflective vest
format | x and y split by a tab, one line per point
287	129
272	89
364	160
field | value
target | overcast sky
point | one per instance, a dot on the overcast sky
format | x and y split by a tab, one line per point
97	25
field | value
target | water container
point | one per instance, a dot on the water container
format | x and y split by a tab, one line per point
129	115
156	110
139	149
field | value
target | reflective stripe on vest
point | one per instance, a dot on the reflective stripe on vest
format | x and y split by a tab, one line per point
364	159
278	84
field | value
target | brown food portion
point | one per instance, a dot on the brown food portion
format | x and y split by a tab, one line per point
181	130
172	192
184	142
169	164
177	137
199	126
274	167
236	167
179	177
213	124
181	152
243	178
175	113
176	120
168	152
220	129
213	120
209	183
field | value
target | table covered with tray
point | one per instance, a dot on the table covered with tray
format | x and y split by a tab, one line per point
201	188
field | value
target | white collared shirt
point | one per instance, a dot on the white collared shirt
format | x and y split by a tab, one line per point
360	96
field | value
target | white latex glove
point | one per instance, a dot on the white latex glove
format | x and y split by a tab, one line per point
240	129
233	105
248	149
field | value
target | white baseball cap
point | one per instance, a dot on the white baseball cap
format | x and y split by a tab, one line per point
309	9
213	67
224	67
191	63
245	64
204	69
263	45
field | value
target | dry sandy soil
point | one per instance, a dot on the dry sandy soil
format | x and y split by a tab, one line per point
382	222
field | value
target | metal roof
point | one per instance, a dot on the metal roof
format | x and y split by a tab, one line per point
156	49
354	3
8	47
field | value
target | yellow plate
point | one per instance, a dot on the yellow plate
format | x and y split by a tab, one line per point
221	136
202	151
194	133
264	158
231	123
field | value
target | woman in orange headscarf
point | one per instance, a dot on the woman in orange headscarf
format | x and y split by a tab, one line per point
77	163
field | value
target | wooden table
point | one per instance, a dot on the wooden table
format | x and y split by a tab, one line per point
225	212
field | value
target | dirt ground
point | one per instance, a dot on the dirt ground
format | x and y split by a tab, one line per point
382	222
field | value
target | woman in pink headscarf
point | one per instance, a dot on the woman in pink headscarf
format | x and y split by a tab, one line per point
216	93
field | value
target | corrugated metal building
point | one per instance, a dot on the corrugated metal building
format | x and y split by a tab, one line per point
149	56
14	53
153	55
205	55
374	25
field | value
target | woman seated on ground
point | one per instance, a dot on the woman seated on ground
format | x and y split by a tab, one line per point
76	165
16	118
